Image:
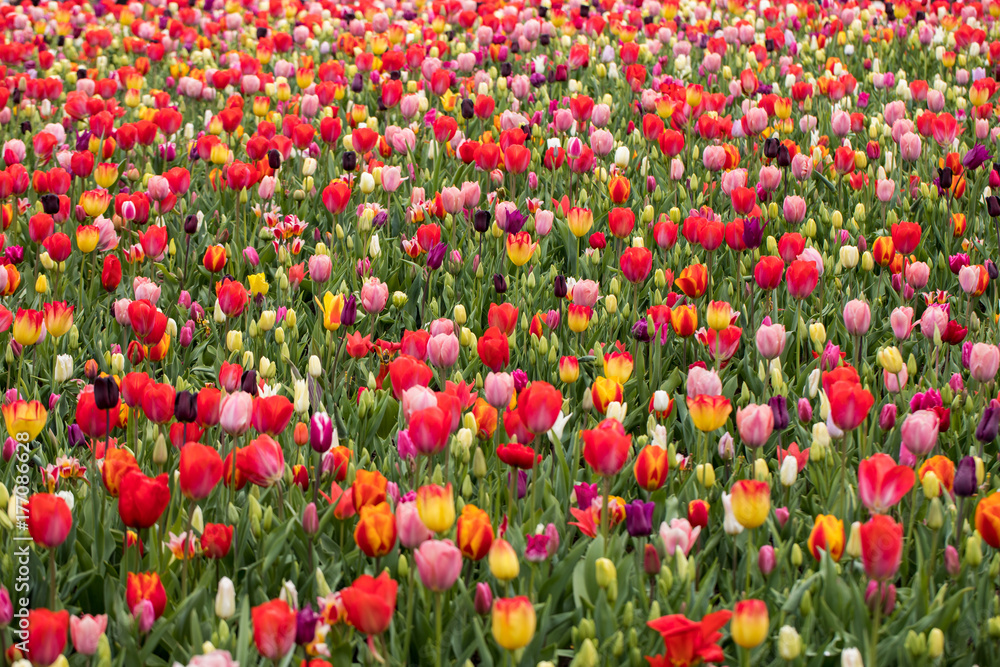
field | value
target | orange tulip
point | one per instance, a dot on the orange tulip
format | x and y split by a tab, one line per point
693	280
368	488
58	318
651	467
375	533
684	320
474	535
988	519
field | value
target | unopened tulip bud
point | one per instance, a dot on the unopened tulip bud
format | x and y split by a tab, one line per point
789	643
853	548
789	471
973	550
766	559
607	574
310	519
796	555
760	470
225	599
931	485
160	451
951	561
704	472
484	598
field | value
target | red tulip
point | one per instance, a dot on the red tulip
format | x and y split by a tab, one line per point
158	402
142	500
216	540
233	298
406	372
111	273
230	376
882	483
370	603
273	629
494	349
208	402
743	200
636	263
517	455
272	414
134	388
687	642
46	638
881	547
539	406
906	237
200	470
429	430
849	404
93	422
802	277
503	317
49	519
606	448
148	323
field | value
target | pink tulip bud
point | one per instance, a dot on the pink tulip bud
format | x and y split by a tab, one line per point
782	514
484	598
766	560
887	595
805	410
951	561
310	519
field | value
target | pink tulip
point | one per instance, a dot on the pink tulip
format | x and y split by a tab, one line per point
755	424
543	222
411	530
920	432
857	317
442	350
894	384
794	209
701	382
732	179
452	199
714	158
585	293
601	115
676	169
374	295
984	362
901	320
678	535
840	123
802	167
910	147
935	318
415	399
917	274
766	559
968	278
498	389
885	188
86	631
602	142
391	178
471	192
320	268
235	411
770	339
439	563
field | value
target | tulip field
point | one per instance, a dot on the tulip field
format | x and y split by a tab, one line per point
555	333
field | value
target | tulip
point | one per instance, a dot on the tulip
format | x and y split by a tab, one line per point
46	635
881	547
828	535
369	603
984	362
751	502
142	500
606	448
411	530
274	626
755	424
750	624
709	413
439	563
514	622
770	339
146	587
86	632
49	519
436	507
200	470
920	432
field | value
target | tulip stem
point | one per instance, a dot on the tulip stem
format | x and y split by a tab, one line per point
409	618
52	579
438	599
185	552
913	516
605	513
873	645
